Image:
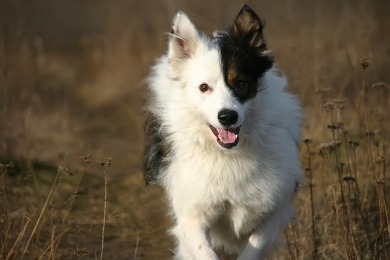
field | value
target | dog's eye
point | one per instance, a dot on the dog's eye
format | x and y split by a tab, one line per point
204	87
241	89
240	85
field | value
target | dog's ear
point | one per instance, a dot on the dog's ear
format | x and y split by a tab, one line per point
249	28
184	38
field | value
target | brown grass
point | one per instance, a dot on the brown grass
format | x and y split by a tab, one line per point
71	82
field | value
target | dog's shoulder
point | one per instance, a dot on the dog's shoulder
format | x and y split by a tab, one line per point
156	150
287	111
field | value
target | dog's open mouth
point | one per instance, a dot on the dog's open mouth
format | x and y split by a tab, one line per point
227	138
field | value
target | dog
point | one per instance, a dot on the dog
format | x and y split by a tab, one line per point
222	137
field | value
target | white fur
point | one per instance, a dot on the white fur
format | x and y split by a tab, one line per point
233	199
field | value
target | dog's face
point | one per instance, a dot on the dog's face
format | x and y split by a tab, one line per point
220	76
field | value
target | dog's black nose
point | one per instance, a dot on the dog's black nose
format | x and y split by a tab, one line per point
227	117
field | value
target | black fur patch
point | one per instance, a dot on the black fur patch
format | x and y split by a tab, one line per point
243	54
156	151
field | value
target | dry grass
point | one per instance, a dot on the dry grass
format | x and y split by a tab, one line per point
71	83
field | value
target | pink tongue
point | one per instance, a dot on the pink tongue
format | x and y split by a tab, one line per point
227	135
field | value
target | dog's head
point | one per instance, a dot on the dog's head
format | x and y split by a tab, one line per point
220	76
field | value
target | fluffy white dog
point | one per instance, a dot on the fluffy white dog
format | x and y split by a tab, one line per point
222	138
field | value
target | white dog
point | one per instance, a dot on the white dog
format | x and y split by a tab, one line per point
222	138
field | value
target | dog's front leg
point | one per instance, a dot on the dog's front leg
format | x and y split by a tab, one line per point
194	241
260	240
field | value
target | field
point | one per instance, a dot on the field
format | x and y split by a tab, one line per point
71	124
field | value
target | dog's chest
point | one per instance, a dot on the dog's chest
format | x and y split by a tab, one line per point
240	219
241	185
245	204
233	192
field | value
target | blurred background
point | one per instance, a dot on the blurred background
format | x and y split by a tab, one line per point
72	81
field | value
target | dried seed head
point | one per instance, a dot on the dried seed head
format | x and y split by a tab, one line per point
86	159
307	141
108	162
381	85
80	253
335	144
66	171
338	101
100	163
329	105
323	149
349	179
380	159
380	181
327	148
365	61
9	165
